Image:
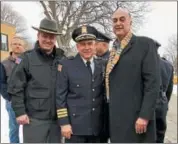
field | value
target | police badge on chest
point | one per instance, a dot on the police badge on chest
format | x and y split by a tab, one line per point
59	67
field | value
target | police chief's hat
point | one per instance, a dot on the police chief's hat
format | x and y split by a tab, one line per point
102	37
84	32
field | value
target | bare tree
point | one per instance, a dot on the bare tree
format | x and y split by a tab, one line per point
71	14
9	15
171	51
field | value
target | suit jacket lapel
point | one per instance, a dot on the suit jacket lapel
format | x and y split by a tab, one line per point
116	57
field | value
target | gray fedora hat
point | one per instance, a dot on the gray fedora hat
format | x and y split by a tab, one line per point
48	26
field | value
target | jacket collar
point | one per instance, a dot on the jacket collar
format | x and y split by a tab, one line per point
11	58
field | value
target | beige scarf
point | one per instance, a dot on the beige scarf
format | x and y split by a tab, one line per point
114	58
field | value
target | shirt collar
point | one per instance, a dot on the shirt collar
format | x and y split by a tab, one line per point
85	61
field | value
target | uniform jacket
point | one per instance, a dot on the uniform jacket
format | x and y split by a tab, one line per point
79	96
105	56
167	77
32	84
166	87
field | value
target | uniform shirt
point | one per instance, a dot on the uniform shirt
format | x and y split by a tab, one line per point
92	64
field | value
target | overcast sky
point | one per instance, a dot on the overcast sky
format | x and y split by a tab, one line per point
160	23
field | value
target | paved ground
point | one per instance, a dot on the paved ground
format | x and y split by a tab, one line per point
171	134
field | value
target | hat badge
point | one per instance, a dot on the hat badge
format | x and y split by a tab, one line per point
84	29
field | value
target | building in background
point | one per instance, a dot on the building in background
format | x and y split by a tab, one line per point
175	79
7	33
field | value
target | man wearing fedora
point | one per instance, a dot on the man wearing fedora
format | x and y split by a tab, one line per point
79	91
32	87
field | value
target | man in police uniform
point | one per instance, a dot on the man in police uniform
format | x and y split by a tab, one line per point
102	52
166	81
18	47
168	87
102	46
79	91
32	87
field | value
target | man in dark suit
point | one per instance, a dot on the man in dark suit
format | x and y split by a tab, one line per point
79	91
132	84
166	87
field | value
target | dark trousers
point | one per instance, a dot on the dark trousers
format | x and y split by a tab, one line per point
104	136
160	129
41	131
161	113
83	139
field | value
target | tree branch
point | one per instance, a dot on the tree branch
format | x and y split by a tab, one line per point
46	12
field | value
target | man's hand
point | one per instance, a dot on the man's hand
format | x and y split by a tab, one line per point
23	119
141	125
66	131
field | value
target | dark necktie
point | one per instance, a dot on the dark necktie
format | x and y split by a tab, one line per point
89	67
